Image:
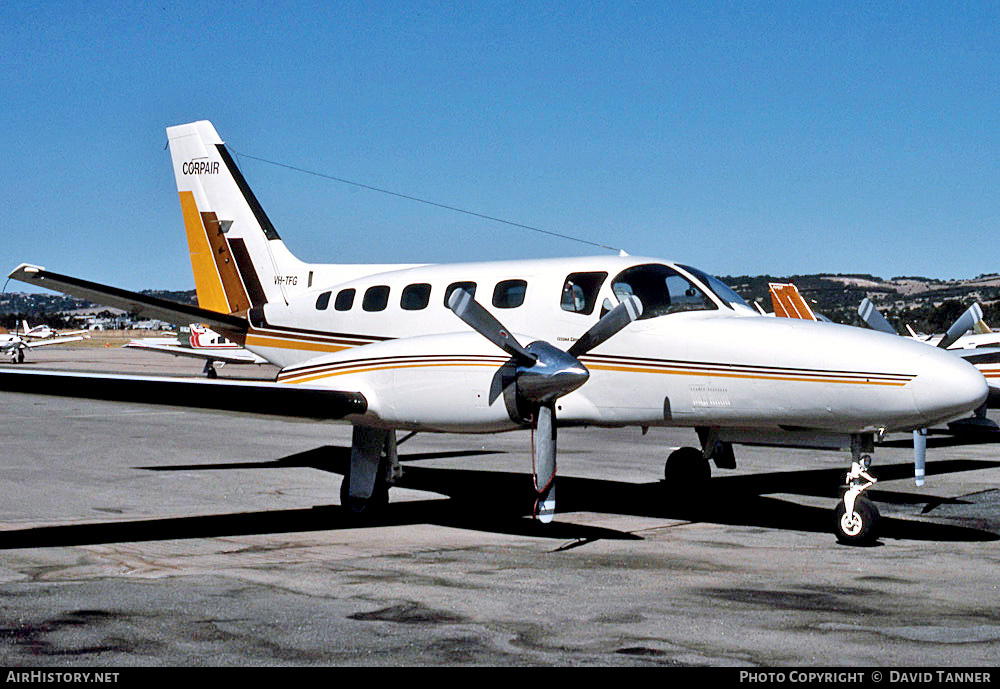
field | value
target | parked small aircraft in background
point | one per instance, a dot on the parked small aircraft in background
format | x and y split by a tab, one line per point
203	343
41	332
612	341
14	344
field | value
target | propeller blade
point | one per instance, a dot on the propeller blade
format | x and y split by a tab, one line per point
543	450
483	322
919	455
966	322
872	318
612	322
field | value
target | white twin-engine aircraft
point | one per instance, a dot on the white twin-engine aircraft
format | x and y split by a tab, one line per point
484	347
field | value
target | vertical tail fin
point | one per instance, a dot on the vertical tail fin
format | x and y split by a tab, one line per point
788	303
237	257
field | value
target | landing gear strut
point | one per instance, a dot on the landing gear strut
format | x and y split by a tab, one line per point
374	468
856	517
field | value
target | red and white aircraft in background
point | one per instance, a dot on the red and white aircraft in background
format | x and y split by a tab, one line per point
202	343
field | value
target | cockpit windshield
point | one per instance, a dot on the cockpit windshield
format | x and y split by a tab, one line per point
661	290
721	289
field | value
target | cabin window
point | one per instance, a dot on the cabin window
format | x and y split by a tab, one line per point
415	297
376	298
579	292
509	294
469	287
661	290
345	299
322	301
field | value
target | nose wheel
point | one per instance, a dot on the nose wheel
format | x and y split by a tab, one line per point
859	527
855	516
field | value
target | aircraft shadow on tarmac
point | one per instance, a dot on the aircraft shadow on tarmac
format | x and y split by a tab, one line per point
500	502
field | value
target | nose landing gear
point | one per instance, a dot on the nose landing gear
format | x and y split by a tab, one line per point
856	517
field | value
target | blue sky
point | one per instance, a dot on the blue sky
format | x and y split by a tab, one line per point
781	138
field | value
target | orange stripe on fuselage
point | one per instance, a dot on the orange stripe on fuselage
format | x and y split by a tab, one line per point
818	378
282	343
719	374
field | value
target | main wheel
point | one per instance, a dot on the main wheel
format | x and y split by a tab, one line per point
374	505
688	468
860	525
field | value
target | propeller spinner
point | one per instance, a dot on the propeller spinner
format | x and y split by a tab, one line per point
543	374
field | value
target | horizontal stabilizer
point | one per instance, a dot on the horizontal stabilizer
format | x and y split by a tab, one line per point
142	305
245	397
230	356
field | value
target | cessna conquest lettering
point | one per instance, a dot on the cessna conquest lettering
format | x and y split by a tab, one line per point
607	341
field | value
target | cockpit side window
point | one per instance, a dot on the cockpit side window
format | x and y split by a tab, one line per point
721	289
579	292
661	290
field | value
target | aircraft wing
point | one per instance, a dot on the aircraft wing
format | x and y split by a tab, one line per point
230	356
245	397
53	340
133	302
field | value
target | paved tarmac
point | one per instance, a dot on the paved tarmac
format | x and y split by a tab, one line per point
138	535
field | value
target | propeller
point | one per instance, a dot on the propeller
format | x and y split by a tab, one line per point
966	322
873	318
544	373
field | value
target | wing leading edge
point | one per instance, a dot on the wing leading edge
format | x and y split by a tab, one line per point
244	397
133	302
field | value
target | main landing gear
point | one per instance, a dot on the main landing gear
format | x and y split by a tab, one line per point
690	467
374	468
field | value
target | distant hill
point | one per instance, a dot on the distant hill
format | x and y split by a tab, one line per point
56	309
927	304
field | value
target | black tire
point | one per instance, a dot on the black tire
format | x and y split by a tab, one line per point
688	467
374	505
862	527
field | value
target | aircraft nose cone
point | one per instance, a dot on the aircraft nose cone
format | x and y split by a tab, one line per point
947	386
